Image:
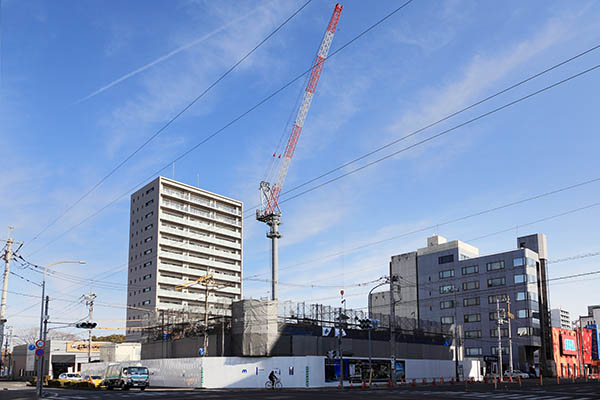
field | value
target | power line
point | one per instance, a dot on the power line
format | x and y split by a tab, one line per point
218	131
170	121
459	219
447	117
444	132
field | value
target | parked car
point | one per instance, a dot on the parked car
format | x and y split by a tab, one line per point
126	377
93	380
516	374
70	377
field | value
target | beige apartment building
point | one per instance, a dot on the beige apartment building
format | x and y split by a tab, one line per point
179	233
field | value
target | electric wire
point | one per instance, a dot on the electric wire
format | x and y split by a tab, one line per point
437	122
218	131
170	121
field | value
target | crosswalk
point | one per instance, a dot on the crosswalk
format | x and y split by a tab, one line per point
532	394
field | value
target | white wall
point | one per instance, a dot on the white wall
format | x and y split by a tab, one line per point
253	372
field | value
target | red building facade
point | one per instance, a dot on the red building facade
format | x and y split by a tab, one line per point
573	353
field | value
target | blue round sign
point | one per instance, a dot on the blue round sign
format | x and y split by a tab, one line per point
39	352
31	347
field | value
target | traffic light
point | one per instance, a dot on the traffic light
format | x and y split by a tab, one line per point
86	325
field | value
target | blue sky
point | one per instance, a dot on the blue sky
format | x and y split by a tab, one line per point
85	82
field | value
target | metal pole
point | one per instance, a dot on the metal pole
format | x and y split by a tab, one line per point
499	320
274	235
510	355
370	354
40	359
90	312
456	337
223	337
339	347
7	258
206	319
581	361
10	358
392	330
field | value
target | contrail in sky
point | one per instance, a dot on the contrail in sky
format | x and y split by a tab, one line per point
165	57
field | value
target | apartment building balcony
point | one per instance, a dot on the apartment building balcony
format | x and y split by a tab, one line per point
198	249
208	239
200	225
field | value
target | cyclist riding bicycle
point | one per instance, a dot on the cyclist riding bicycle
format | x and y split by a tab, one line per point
273	378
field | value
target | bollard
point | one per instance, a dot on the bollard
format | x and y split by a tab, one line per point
519	380
452	381
541	380
442	380
390	383
557	380
433	383
485	379
495	382
424	381
414	383
510	379
364	384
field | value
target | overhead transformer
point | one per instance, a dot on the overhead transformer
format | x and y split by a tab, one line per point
269	212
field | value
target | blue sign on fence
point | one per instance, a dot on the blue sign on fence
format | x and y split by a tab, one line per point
31	347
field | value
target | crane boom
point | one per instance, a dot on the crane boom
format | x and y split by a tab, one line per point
269	212
270	193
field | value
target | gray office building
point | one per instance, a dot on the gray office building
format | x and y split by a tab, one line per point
451	283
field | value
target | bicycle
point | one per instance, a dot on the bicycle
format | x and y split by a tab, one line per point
271	385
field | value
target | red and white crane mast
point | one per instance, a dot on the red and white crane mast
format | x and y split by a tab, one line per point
270	212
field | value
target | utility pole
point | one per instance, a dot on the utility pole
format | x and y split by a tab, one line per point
5	356
509	316
392	329
10	355
223	336
89	302
206	283
43	336
7	259
456	338
499	321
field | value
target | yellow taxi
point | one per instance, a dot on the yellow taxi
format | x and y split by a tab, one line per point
93	380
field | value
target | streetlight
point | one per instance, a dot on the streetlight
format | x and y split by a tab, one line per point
41	359
455	290
370	326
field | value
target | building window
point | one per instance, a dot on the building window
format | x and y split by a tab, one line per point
449	273
463	257
147	276
523	313
471	269
149	202
523	331
495	266
495	350
519	262
503	332
151	213
473	301
473	334
446	259
521	296
447	289
146	289
148	251
447	320
521	278
149	238
149	263
500	297
145	302
148	227
472	317
471	285
473	351
493	282
531	262
150	190
493	316
446	304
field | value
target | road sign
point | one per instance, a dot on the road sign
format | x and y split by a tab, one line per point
39	352
31	347
201	352
40	343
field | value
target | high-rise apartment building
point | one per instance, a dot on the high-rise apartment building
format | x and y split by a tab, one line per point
179	233
452	284
560	318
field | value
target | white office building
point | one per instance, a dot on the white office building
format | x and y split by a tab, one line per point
179	233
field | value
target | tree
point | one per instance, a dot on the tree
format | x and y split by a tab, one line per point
110	338
30	335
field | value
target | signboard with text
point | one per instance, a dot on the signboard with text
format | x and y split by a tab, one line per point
569	345
82	347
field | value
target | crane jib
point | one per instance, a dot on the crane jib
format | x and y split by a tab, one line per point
270	194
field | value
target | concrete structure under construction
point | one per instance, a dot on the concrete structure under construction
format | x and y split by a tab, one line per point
450	282
179	233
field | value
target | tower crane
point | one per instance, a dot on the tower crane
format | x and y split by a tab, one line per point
269	212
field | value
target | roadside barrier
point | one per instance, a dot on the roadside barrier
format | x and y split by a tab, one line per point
414	383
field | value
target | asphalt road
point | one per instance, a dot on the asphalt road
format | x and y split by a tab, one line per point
566	391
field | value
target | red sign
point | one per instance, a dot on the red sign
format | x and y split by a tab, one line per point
569	344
